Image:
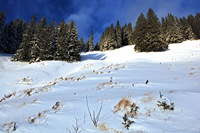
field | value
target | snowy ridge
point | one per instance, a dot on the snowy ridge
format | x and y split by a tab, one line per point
50	96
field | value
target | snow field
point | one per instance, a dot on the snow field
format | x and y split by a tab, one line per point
51	96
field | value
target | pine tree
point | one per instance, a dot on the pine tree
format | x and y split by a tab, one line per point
87	46
42	41
51	41
2	21
194	23
12	35
124	35
61	52
197	24
91	41
173	33
129	31
97	47
20	27
73	44
111	38
104	40
108	39
118	34
186	29
24	53
82	43
140	33
154	41
34	48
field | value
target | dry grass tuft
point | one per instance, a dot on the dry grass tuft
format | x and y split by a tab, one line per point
28	92
100	86
40	115
124	104
191	73
34	101
147	99
115	131
103	127
32	120
26	80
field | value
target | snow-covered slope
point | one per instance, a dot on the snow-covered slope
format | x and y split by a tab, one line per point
56	97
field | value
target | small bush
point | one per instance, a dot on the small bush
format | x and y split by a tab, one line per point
127	122
166	106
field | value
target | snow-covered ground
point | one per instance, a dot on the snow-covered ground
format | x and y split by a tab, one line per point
56	97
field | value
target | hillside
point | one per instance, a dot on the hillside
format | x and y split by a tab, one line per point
55	96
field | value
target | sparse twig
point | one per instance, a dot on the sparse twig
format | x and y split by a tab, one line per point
160	94
94	118
76	128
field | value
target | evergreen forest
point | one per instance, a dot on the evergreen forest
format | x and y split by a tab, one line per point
35	42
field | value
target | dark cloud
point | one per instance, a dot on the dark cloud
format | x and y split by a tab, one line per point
96	14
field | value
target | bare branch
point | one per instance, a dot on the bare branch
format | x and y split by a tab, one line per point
94	118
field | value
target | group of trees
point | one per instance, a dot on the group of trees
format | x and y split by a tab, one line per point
10	34
42	42
116	37
33	42
149	34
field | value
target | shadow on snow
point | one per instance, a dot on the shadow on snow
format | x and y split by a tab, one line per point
93	56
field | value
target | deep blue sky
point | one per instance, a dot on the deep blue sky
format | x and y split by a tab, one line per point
95	14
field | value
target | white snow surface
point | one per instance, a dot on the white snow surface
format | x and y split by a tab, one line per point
116	79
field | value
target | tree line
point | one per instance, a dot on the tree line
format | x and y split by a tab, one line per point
149	34
34	42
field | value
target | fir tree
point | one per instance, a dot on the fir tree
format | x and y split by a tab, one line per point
186	29
129	31
42	41
51	41
104	40
173	33
124	35
61	52
87	46
2	21
194	23
91	42
97	47
73	44
111	44
108	39
154	41
118	34
197	24
140	33
82	43
24	53
12	35
164	32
